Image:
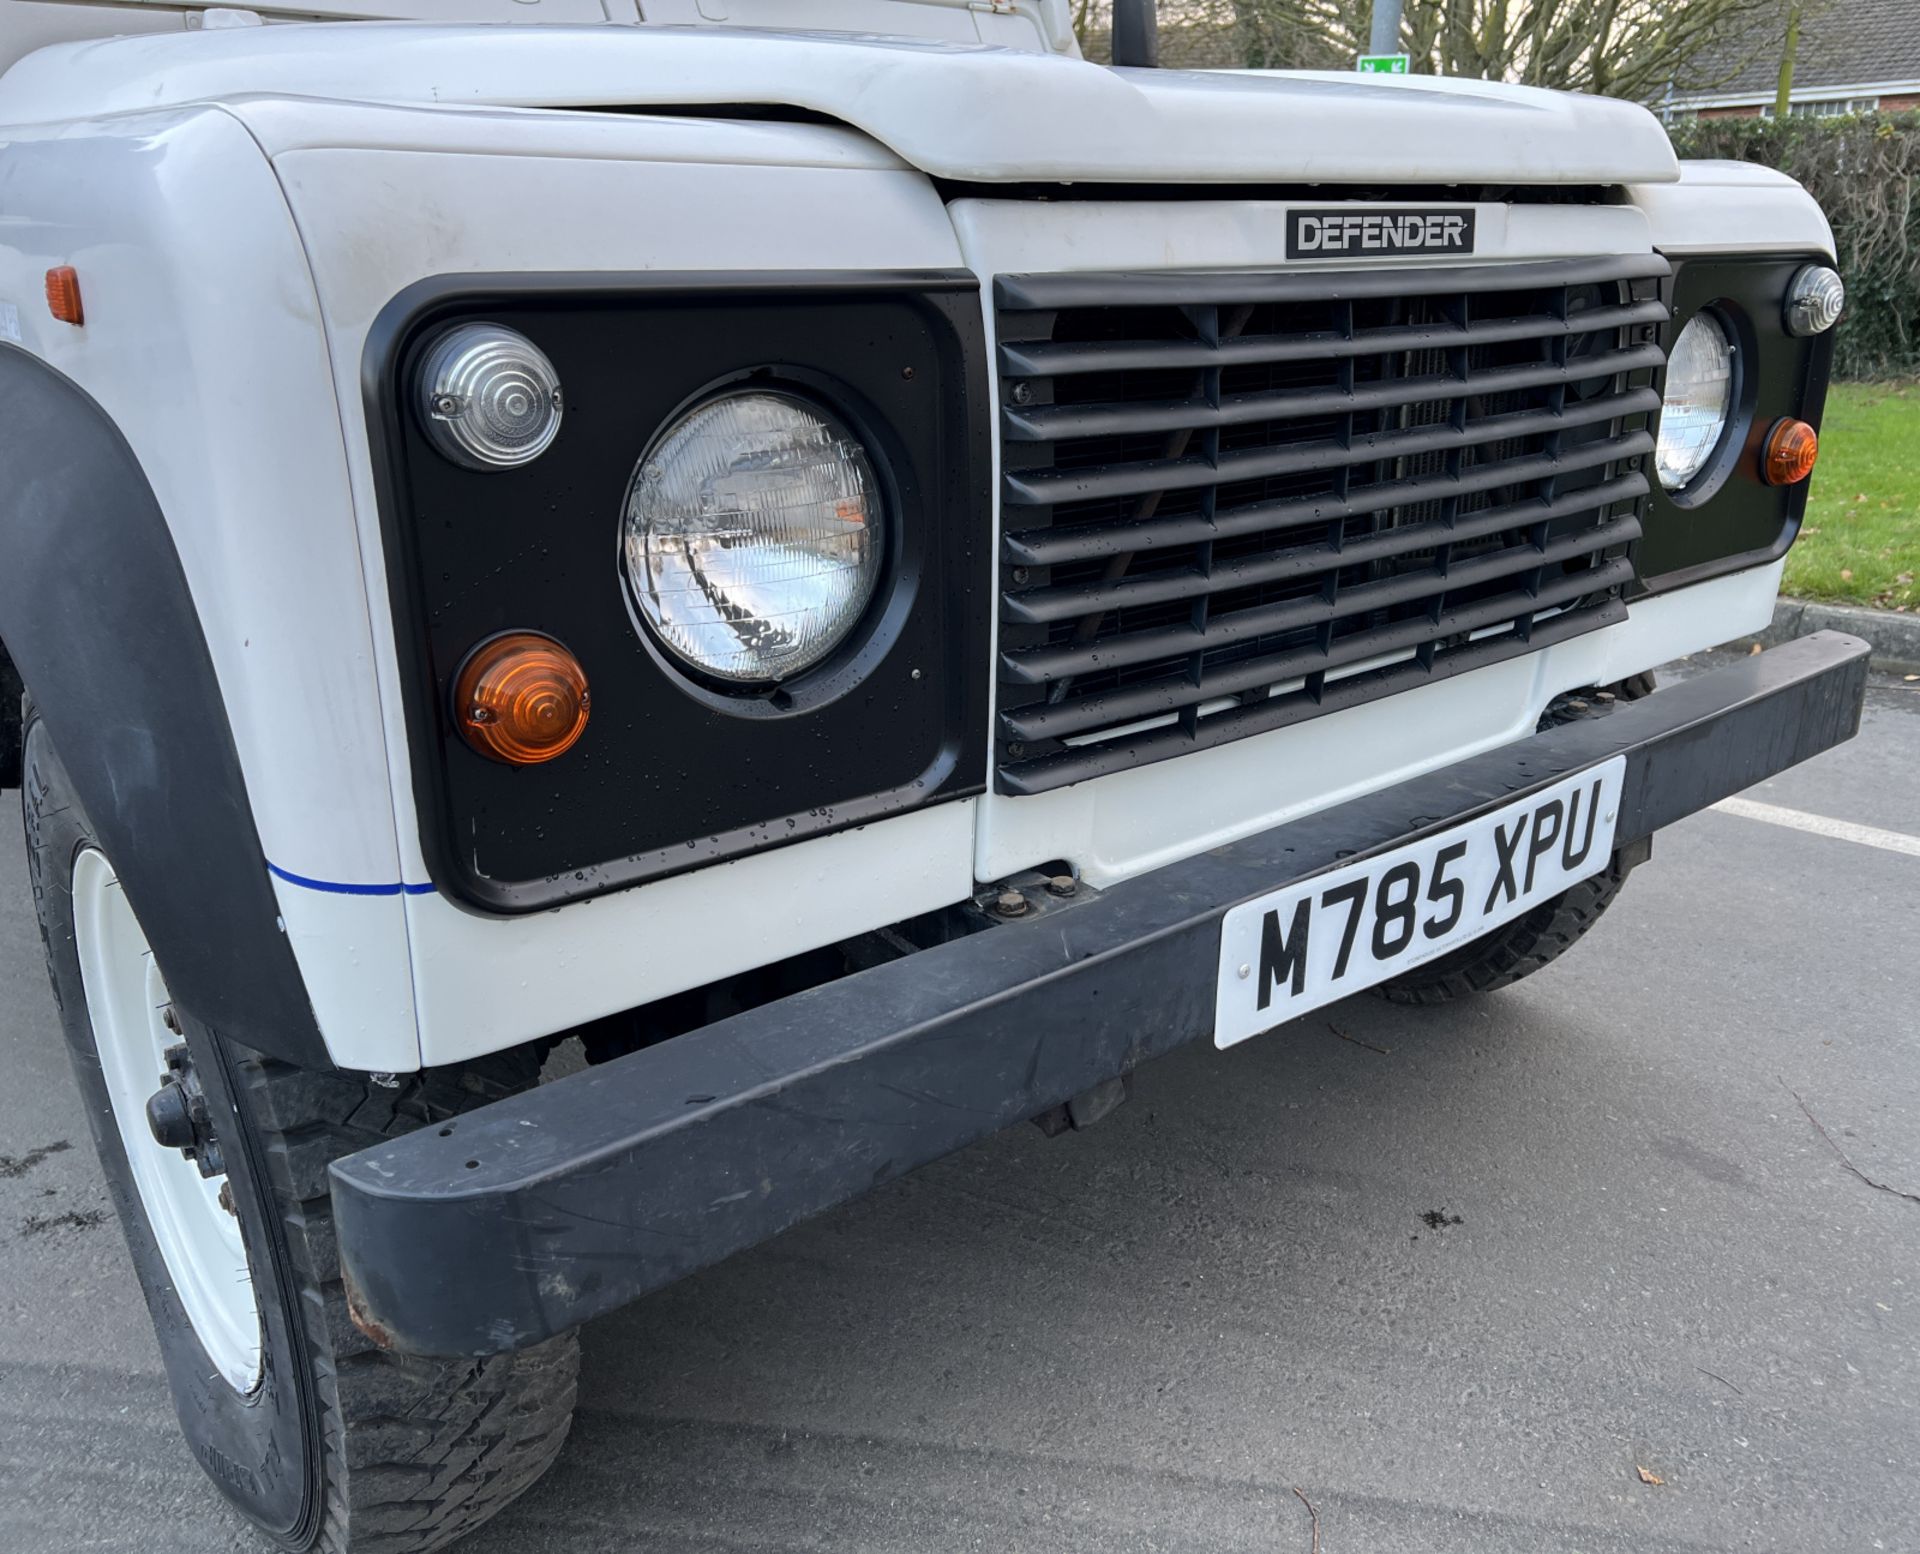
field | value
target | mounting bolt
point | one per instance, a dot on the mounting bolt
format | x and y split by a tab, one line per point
226	1199
1062	885
907	373
1021	394
171	1020
1010	903
1021	574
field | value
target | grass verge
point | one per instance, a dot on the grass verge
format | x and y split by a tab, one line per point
1861	540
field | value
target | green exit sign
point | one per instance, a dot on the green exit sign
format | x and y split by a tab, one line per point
1382	65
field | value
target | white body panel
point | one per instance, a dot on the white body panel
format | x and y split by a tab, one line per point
234	256
26	25
636	194
486	983
956	111
1042	25
1733	207
203	341
1008	24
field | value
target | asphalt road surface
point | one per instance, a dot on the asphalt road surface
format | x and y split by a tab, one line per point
1459	1276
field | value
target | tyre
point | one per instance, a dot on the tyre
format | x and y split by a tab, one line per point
1537	938
1514	950
326	1442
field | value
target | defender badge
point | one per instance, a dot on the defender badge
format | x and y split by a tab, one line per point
1340	232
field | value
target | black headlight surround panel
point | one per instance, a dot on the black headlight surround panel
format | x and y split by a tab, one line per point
671	775
1736	520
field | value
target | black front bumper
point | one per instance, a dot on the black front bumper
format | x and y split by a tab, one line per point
531	1215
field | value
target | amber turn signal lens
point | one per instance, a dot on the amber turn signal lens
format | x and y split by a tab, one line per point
1792	446
63	295
521	698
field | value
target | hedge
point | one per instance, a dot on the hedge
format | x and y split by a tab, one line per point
1864	170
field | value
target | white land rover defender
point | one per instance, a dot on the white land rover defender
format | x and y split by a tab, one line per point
877	573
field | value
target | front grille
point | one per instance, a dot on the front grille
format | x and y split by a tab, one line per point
1235	501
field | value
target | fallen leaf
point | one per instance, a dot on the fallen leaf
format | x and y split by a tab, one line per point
1861	497
1912	677
1846	574
1648	1476
1752	650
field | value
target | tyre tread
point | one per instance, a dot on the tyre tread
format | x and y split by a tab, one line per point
412	1453
1512	952
418	1452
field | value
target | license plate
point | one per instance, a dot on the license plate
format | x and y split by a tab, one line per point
1345	930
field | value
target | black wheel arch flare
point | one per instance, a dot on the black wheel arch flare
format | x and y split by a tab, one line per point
10	730
100	625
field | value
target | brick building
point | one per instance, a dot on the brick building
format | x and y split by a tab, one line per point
1855	56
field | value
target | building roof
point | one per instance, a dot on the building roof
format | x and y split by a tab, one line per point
1843	43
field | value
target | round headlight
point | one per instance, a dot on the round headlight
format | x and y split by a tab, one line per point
753	536
1815	299
1699	394
489	398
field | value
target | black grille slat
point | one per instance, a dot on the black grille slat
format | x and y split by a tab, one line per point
1232	501
1057	422
1040	359
1038	666
1043	606
1046	488
1079	542
1078	763
1221	288
1062	720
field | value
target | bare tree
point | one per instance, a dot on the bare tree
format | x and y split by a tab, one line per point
1789	52
1624	48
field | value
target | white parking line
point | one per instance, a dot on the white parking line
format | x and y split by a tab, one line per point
1820	825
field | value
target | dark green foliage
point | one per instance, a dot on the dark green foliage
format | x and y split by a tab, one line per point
1864	170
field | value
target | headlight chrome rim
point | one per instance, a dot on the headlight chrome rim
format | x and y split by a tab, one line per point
1688	461
489	398
767	667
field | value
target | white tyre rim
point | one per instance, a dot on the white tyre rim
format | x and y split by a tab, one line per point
199	1241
